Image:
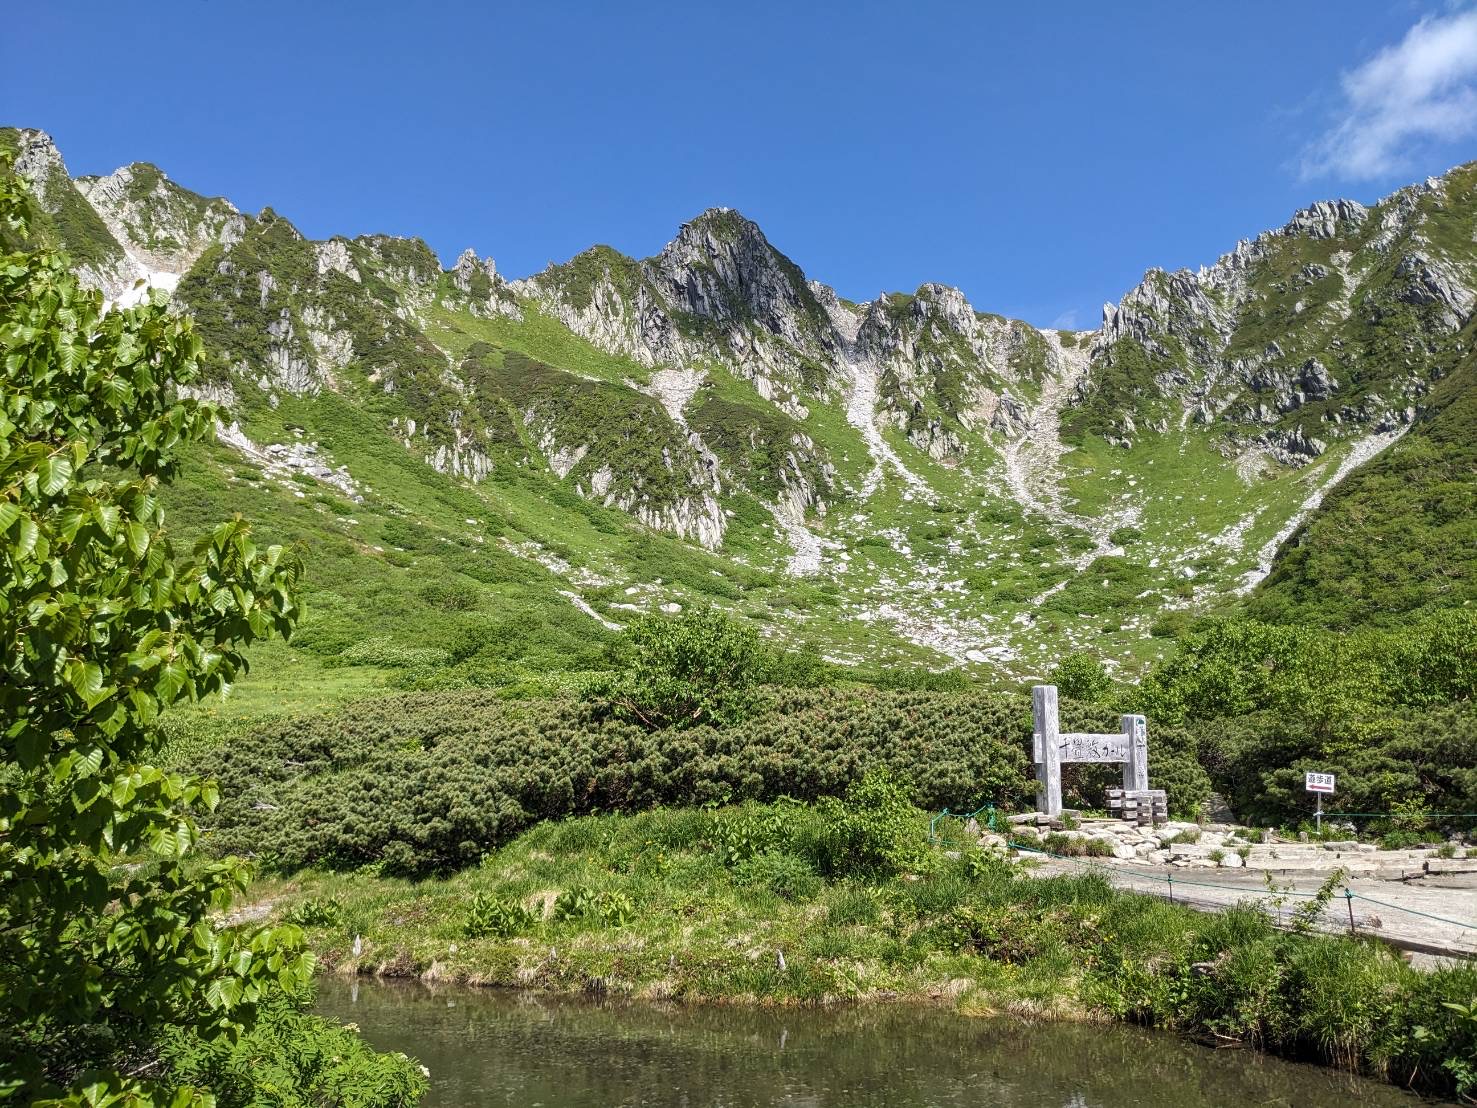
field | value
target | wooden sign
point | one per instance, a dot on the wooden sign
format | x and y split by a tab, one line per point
1050	749
1093	748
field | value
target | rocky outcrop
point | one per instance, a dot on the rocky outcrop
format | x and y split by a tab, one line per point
482	289
1274	326
1423	280
1327	219
945	369
65	217
161	226
1290	389
1293	447
39	163
717	292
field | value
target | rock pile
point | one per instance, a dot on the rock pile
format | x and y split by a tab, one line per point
1212	846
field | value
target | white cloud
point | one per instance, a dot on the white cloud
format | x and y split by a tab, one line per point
1421	89
1067	321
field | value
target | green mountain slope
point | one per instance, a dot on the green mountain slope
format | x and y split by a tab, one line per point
1398	535
495	475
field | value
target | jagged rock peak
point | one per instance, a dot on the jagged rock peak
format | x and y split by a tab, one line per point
948	302
1323	219
138	178
468	265
163	226
39	163
722	267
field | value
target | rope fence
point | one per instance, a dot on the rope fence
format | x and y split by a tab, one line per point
1171	880
1422	818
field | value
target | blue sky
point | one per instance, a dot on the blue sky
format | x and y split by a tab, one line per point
1038	157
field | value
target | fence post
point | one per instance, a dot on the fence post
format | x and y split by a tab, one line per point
1047	738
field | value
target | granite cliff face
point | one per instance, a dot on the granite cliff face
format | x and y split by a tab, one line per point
162	227
1333	326
715	393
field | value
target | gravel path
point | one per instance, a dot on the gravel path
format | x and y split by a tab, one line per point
1384	905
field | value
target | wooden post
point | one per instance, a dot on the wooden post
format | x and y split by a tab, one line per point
1047	738
1136	768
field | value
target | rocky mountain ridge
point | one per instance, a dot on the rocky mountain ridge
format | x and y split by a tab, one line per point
715	393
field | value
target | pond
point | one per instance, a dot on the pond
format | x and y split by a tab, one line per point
490	1047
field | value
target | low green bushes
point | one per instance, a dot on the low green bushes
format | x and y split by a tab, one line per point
1393	714
428	782
1402	762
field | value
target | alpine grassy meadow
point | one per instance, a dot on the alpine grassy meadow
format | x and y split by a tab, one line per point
619	628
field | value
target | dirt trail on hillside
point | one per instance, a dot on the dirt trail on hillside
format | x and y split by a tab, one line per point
1032	460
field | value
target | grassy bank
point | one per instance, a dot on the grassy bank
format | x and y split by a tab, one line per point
795	904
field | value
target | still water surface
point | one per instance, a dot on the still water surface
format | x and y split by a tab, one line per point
488	1047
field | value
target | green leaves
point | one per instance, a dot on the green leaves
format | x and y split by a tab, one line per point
100	628
86	680
697	668
53	473
27	536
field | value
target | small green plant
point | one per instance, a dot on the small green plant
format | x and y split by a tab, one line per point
875	832
1076	846
1409	816
1003	937
1243	852
1217	856
853	904
1446	850
1402	840
1192	835
315	912
981	865
610	909
743	833
489	915
785	875
1311	910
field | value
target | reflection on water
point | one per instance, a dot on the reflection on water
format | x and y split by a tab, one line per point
499	1048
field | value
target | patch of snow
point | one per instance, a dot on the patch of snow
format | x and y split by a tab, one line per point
674	389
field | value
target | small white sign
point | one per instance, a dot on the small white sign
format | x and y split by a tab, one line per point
1318	782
